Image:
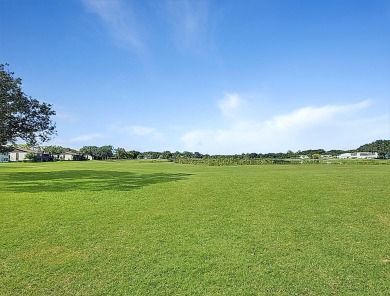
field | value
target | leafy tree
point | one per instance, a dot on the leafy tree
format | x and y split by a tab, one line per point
23	146
99	153
151	155
166	155
90	150
380	146
106	152
335	152
187	154
290	154
55	149
132	154
22	117
312	152
197	155
120	153
31	157
176	154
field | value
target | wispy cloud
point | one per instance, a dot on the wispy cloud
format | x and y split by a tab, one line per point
307	116
67	117
86	138
304	128
121	21
190	20
137	130
231	104
145	131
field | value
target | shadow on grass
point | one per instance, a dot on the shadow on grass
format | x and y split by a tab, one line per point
90	180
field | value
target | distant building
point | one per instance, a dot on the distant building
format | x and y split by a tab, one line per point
19	154
70	156
304	157
358	155
326	156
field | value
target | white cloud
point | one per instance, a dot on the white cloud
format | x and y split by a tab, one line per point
137	130
190	22
307	127
85	138
196	138
311	115
120	19
145	131
230	104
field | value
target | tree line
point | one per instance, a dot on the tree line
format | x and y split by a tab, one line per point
109	152
380	146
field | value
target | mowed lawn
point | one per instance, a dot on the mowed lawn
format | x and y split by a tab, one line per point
142	228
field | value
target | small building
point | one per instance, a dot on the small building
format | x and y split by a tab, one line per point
366	155
344	156
359	155
304	157
4	157
19	154
326	156
70	156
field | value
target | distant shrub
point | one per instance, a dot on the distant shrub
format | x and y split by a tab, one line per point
231	161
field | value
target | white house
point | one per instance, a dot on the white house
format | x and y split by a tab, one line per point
19	154
71	156
4	157
359	155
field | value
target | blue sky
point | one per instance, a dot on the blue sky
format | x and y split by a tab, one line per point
209	76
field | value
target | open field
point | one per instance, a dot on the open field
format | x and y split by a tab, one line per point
142	228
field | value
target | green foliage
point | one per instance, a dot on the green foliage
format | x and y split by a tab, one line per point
31	156
187	157
149	155
90	150
233	161
101	153
313	152
23	146
22	117
166	155
228	161
105	152
380	146
57	149
335	152
133	154
120	153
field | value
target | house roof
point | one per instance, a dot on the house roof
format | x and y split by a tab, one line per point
17	149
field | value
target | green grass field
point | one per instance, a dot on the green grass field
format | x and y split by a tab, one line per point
142	228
